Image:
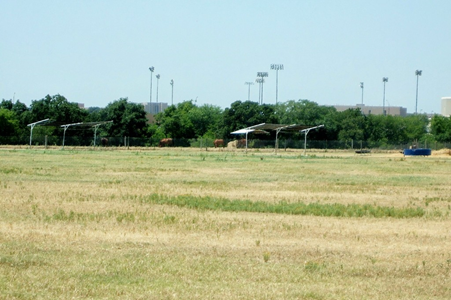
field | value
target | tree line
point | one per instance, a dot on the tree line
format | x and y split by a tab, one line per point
187	121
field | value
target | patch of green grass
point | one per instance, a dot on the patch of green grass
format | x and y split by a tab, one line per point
298	208
61	215
10	170
313	266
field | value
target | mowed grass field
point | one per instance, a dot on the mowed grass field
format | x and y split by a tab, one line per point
194	224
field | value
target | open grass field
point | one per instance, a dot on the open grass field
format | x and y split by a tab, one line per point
193	224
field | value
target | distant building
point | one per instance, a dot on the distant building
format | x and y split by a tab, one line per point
375	110
154	108
81	105
150	118
446	106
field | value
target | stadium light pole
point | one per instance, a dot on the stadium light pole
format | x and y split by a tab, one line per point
262	75
158	79
151	69
384	80
417	73
277	67
172	91
361	86
249	90
260	82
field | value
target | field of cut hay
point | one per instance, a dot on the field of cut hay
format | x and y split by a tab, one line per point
220	224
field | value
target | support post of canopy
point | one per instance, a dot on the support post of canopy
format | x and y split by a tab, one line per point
32	127
95	129
95	133
31	132
65	128
276	147
279	129
246	141
306	131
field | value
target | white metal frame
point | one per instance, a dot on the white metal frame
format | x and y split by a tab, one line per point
95	129
32	125
306	131
65	128
260	128
278	130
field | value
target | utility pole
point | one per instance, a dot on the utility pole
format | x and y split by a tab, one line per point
384	80
417	73
172	93
151	69
277	67
249	90
361	86
261	75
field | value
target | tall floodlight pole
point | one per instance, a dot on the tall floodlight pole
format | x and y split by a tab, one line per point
151	69
259	81
249	90
361	86
172	92
417	73
262	75
158	79
384	80
277	67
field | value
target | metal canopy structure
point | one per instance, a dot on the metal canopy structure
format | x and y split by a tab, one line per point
263	128
34	124
85	124
67	126
96	125
48	122
306	131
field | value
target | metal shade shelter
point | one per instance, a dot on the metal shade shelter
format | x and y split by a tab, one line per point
86	124
263	128
66	126
48	122
96	125
306	131
32	125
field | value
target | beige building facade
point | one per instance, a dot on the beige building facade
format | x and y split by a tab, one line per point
446	106
375	110
154	108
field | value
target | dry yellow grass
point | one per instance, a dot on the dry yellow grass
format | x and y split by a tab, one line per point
116	246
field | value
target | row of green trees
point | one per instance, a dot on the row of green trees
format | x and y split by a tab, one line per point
189	121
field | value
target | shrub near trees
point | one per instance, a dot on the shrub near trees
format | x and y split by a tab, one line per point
129	119
188	121
9	125
441	128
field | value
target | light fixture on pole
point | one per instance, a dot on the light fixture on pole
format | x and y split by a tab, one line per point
249	90
417	73
361	86
158	79
384	80
172	92
277	67
262	75
151	69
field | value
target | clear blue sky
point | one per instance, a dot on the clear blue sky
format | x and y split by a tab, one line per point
95	52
